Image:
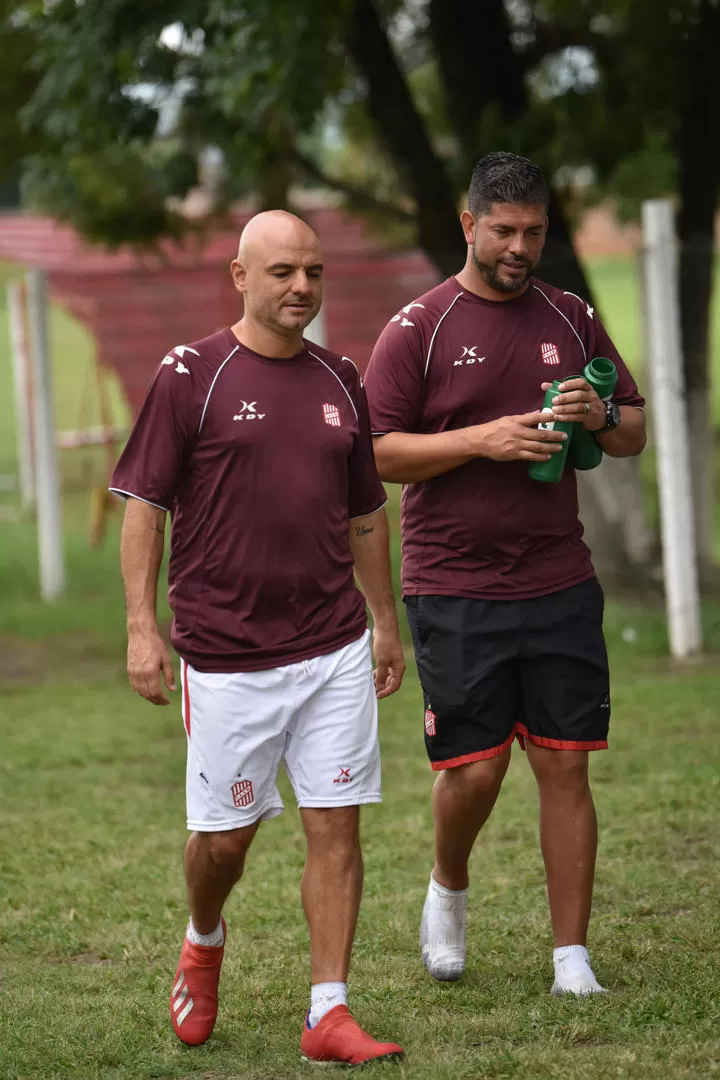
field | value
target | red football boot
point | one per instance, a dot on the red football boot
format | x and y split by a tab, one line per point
339	1038
194	997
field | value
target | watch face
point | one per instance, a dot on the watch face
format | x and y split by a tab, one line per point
612	416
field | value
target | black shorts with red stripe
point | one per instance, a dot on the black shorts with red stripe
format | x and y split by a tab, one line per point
496	670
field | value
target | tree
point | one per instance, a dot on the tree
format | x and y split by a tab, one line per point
431	84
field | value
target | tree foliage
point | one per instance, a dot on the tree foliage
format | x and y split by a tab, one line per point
571	82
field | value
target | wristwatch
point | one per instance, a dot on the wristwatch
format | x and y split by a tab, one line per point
612	417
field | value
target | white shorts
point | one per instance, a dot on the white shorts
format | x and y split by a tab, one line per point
318	717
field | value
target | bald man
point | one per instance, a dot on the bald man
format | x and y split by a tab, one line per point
257	443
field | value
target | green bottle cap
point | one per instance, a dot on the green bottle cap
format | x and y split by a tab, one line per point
602	375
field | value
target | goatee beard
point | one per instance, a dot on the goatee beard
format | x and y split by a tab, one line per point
489	273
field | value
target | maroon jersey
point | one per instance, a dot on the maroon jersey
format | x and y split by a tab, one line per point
449	360
261	463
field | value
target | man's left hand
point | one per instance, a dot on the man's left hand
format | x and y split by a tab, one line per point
577	402
389	661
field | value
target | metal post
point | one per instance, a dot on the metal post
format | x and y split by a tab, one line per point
671	429
21	386
47	480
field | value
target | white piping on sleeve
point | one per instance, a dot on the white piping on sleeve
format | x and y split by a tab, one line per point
338	379
132	495
370	512
432	339
362	384
566	293
545	297
212	387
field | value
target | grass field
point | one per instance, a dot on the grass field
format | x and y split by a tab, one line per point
92	903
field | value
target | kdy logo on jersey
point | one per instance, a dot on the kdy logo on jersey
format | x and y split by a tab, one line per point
549	353
468	356
248	411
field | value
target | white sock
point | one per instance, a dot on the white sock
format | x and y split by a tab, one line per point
573	974
323	998
448	913
215	938
442	934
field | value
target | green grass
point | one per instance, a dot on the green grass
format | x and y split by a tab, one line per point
92	902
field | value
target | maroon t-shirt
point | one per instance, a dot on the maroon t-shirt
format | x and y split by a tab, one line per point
449	360
261	463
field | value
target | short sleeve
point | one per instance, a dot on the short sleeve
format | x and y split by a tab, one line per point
626	391
151	465
394	380
365	492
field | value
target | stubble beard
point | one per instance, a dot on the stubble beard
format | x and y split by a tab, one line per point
275	320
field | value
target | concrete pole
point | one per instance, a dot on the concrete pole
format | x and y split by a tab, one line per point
671	431
22	392
47	479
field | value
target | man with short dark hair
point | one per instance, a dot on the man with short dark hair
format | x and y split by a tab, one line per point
502	599
257	442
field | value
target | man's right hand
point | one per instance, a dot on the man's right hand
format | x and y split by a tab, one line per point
147	658
516	438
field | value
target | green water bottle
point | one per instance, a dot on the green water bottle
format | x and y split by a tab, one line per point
585	452
550	472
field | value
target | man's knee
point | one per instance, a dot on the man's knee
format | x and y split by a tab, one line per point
476	779
332	827
224	851
556	770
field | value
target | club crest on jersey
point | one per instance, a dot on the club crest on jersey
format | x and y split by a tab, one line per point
331	415
549	353
430	725
242	792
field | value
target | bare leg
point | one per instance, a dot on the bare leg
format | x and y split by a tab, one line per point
568	838
213	864
463	799
331	888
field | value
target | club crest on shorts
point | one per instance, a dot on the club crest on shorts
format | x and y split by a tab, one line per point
331	415
242	792
430	718
549	353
